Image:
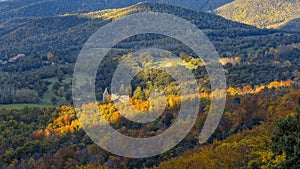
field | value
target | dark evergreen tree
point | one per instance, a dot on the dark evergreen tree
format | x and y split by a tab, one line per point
287	140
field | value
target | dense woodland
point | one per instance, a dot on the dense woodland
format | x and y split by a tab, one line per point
259	127
252	134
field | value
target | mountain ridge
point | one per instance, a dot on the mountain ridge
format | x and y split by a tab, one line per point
261	13
52	44
37	8
41	31
292	25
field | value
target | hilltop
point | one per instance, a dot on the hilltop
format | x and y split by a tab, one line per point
261	13
57	34
14	10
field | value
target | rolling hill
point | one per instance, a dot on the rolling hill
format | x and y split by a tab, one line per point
39	127
59	34
16	9
52	44
261	13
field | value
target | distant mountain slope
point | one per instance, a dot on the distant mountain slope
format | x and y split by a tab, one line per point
40	8
66	34
261	13
52	44
293	25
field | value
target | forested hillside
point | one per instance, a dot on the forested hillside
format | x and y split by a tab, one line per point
261	13
18	10
42	32
248	136
51	46
39	127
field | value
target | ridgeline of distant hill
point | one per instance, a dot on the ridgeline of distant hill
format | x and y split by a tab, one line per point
65	35
262	13
16	9
293	25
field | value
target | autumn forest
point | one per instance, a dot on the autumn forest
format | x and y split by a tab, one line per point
42	127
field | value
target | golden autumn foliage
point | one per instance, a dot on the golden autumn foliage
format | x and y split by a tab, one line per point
249	148
233	61
249	89
66	122
248	121
246	148
111	13
261	13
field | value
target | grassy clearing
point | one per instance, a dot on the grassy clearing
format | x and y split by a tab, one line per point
49	94
46	101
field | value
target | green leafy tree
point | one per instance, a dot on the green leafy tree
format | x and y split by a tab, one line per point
286	140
